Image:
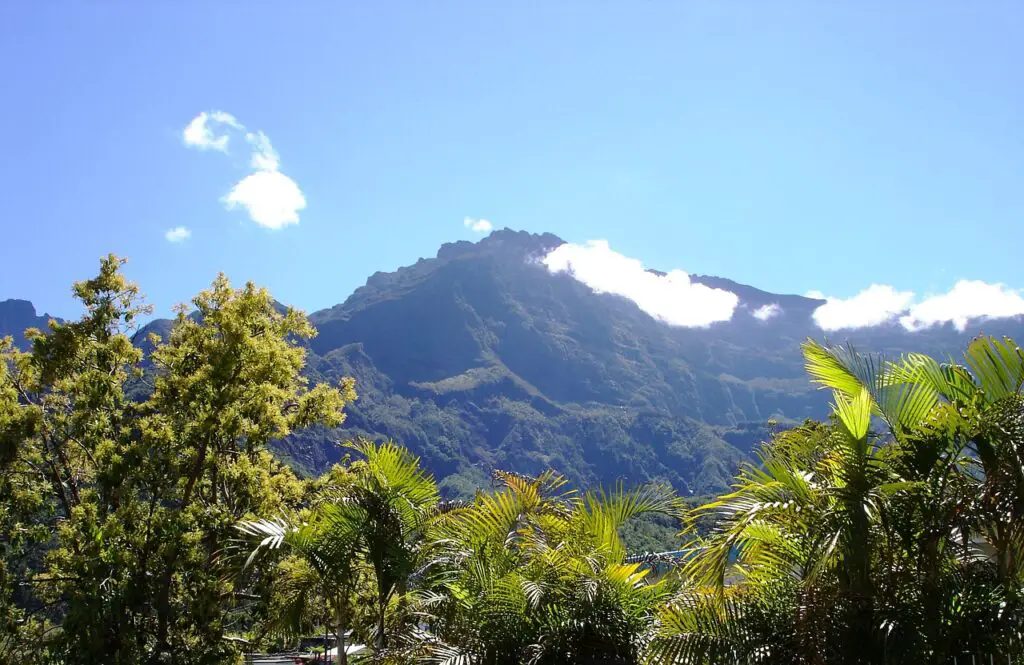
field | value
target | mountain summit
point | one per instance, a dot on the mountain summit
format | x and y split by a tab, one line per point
18	315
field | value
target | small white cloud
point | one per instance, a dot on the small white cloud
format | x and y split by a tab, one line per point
272	199
671	298
177	234
765	312
874	305
477	225
200	132
967	300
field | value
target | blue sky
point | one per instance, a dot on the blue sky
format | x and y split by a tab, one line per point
794	146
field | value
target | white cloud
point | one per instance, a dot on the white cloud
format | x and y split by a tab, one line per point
177	234
874	305
675	299
200	132
967	300
272	199
765	312
671	298
477	225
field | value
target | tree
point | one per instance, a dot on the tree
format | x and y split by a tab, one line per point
372	514
143	493
539	574
850	542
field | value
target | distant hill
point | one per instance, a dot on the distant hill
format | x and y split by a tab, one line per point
480	358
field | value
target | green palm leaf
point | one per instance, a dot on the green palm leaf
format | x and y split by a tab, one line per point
998	366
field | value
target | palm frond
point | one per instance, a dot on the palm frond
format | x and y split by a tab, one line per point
854	412
998	366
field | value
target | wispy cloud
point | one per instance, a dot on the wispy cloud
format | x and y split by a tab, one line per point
272	199
765	312
177	234
200	132
477	225
671	298
264	157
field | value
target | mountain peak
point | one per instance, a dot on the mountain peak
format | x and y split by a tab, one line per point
16	315
502	244
504	240
17	307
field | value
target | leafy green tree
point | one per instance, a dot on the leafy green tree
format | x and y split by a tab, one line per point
144	493
26	522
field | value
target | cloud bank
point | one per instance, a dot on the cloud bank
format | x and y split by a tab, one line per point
177	234
272	199
477	225
968	300
675	299
671	298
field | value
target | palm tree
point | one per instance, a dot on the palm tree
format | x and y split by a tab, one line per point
539	574
769	571
376	516
324	564
979	402
888	522
396	501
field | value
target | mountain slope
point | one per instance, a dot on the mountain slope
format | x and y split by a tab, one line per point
481	358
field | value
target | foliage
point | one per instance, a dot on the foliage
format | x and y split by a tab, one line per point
369	521
851	544
131	501
143	519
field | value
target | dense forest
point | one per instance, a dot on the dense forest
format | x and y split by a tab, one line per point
144	518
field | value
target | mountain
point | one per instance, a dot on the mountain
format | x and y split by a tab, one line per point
481	358
18	315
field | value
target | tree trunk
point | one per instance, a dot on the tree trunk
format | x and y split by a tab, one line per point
382	606
342	656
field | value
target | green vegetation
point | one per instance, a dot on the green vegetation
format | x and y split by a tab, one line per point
143	520
115	510
847	544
